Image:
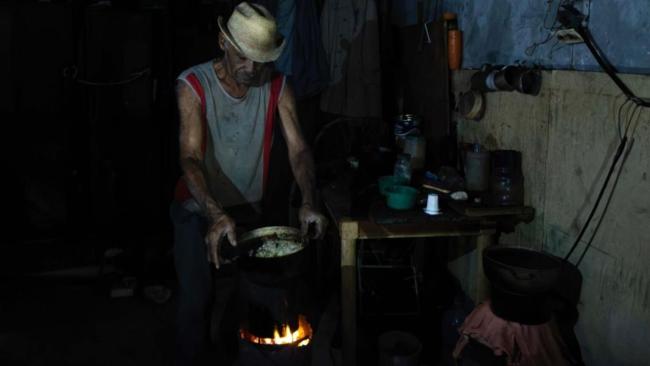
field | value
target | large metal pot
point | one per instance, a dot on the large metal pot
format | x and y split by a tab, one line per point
521	270
275	269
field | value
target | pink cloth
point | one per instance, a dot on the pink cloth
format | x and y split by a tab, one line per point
524	345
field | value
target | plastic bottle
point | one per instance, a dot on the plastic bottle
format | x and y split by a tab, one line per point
403	167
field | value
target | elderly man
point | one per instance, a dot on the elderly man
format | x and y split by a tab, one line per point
227	111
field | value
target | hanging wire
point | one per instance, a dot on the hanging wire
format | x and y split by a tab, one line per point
72	72
530	50
604	212
619	121
588	12
135	76
637	108
617	155
555	48
636	125
631	120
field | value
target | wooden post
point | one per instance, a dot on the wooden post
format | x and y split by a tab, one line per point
349	232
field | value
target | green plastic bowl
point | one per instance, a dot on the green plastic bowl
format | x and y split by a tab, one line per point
388	181
401	197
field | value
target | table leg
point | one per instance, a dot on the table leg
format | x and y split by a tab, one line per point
349	234
482	241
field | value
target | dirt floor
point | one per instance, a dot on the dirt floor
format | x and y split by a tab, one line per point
63	322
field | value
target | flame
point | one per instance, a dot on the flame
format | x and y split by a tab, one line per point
284	336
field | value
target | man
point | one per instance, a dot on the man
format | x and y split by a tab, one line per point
227	113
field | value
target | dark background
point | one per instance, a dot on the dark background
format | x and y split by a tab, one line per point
90	122
89	153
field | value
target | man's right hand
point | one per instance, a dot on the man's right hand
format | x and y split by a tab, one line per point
220	226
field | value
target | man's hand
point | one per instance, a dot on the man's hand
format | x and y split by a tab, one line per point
309	216
221	226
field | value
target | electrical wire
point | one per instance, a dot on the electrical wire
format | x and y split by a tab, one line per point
619	122
637	123
530	50
632	120
608	68
134	76
617	156
555	48
632	117
571	18
605	208
637	108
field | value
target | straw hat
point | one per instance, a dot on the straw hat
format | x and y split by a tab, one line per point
252	30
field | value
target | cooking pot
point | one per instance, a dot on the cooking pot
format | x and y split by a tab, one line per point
271	270
524	309
521	270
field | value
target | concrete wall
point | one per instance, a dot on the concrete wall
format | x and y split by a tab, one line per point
501	31
568	135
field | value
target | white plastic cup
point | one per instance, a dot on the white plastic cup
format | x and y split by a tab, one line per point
432	204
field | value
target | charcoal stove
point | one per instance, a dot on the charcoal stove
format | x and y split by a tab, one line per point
275	322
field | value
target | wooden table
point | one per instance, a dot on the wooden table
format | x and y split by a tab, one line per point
351	229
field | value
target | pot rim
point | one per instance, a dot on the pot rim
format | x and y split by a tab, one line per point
557	261
284	232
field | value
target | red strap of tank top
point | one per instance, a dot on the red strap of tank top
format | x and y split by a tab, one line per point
182	193
276	88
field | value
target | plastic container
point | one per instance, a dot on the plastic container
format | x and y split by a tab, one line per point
401	197
389	180
416	147
405	125
402	168
477	170
455	48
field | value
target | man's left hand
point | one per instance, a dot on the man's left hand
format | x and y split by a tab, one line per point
308	217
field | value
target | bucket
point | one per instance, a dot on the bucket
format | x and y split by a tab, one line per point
399	349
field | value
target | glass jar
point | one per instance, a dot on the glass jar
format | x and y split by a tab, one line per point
506	178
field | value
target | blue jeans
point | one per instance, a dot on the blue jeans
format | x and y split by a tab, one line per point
194	285
199	312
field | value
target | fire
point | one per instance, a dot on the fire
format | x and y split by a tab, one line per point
284	336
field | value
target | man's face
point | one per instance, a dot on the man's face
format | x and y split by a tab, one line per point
242	69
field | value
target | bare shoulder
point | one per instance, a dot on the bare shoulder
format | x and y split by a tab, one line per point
185	95
287	98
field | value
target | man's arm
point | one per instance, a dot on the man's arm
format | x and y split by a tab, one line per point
191	162
191	156
300	157
301	160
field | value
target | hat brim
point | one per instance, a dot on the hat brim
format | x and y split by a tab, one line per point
252	54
